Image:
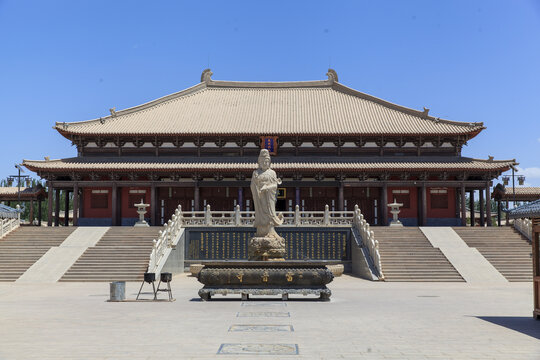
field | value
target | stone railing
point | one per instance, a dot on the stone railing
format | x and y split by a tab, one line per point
9	221
173	230
166	241
368	239
524	226
239	218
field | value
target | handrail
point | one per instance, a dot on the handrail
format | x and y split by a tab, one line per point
166	241
238	218
11	223
524	226
368	239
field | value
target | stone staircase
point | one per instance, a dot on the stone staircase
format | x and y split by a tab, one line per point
24	246
122	254
506	249
407	255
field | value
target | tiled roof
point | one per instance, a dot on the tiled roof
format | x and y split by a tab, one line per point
531	209
257	108
163	164
26	192
12	190
523	191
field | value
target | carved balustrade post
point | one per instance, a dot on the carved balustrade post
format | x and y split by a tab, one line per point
326	220
208	216
237	219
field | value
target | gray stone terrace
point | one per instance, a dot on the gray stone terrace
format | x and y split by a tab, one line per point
364	320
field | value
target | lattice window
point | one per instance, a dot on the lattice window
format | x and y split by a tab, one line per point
135	197
99	199
439	198
402	197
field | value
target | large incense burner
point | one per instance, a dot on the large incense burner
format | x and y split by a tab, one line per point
266	272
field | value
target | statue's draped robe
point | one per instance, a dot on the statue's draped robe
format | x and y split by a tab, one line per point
265	199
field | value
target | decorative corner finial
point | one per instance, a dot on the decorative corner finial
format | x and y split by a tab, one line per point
47	158
490	158
113	111
206	75
332	75
426	112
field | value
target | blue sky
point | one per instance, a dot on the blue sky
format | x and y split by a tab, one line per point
465	60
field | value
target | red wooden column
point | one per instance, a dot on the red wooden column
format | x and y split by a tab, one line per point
241	197
50	196
482	207
384	204
153	204
39	211
75	204
66	207
488	204
341	201
31	215
114	204
196	197
471	205
463	207
57	207
424	204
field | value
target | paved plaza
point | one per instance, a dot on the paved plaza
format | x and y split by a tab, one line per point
364	320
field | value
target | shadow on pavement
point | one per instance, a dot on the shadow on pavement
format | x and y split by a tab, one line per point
525	325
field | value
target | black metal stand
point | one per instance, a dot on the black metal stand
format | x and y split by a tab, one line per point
148	278
166	278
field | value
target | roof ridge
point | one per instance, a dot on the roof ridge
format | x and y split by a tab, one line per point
491	160
269	84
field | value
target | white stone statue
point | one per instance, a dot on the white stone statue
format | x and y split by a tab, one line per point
266	244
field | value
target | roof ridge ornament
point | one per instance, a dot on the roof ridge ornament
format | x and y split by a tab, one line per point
332	75
113	111
425	112
206	75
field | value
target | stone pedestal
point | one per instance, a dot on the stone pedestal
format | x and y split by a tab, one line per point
266	248
265	278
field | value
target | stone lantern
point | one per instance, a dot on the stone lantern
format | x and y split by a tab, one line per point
394	210
141	210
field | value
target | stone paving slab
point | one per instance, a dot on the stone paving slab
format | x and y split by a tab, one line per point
364	320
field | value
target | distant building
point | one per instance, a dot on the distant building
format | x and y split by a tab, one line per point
331	144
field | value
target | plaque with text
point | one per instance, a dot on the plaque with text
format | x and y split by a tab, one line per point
301	243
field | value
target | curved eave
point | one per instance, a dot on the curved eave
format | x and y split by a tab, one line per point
67	134
212	166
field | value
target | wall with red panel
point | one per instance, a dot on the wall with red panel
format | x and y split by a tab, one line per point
90	212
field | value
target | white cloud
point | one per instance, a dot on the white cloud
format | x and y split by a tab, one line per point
530	172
